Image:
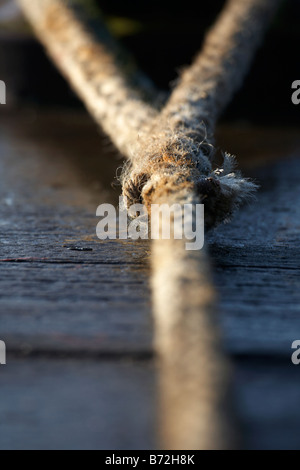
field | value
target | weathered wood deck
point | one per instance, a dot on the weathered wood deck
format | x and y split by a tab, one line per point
75	312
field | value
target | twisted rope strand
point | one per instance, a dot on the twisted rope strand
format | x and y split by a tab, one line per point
179	149
92	65
171	161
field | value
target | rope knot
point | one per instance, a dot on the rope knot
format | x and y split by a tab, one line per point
221	191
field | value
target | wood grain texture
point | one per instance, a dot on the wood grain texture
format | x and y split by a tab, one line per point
257	262
58	306
50	404
53	295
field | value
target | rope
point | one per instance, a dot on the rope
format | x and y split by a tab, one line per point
170	159
179	150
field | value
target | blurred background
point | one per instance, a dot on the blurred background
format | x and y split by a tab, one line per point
163	36
76	312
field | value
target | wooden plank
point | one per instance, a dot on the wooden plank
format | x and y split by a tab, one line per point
257	266
64	295
267	403
58	405
61	289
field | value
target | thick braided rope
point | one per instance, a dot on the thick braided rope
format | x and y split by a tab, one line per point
195	399
98	70
171	162
179	150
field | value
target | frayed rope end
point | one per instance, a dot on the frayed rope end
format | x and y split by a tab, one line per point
222	191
